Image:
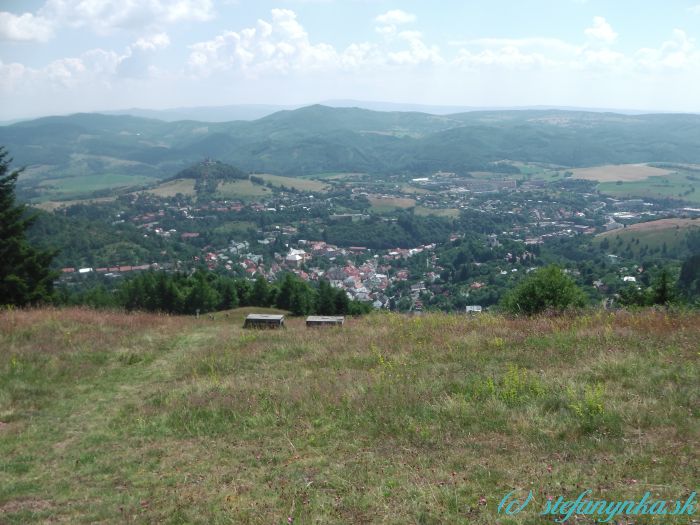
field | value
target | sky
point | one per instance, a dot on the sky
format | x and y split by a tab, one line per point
65	56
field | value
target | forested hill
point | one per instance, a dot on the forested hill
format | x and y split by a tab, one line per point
211	170
318	139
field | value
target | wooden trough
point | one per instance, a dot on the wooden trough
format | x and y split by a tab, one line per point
324	320
263	321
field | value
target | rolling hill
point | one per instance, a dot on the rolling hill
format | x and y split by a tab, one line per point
318	139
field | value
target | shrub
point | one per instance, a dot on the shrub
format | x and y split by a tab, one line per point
546	289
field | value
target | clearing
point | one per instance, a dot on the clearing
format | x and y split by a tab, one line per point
384	204
619	172
173	187
140	418
295	183
243	190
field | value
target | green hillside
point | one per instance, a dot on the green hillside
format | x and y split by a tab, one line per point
319	139
120	418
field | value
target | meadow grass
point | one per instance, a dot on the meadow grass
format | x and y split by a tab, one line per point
120	418
173	187
677	185
242	189
294	182
72	187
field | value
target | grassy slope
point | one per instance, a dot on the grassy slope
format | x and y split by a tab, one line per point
140	418
652	234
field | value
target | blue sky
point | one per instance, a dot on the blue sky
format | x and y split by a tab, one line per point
62	56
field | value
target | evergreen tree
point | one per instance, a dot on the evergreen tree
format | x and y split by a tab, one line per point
261	292
202	296
227	291
25	274
286	289
663	291
302	300
244	291
325	303
342	303
689	279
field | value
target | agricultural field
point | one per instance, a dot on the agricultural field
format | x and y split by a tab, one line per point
653	235
173	187
678	185
140	418
407	188
294	182
386	204
75	187
55	205
619	172
242	190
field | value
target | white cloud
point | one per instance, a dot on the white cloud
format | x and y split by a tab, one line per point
678	53
282	45
24	28
506	56
389	21
89	70
153	42
695	9
418	52
279	45
601	30
101	16
395	17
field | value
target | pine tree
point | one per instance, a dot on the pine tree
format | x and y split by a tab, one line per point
325	303
342	303
25	274
261	292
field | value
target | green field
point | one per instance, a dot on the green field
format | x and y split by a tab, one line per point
388	204
242	190
115	418
294	182
407	188
681	185
173	187
74	187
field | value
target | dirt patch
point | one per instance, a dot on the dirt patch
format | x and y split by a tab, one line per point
19	505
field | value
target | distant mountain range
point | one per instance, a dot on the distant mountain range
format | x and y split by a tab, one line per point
319	138
233	112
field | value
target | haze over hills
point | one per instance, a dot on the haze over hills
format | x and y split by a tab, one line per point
318	138
232	112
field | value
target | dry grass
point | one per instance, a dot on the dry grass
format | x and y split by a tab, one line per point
296	183
173	187
382	204
619	172
55	205
656	226
391	419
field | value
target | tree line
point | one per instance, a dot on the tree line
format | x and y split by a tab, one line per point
204	291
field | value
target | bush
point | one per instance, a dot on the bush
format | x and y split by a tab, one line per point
547	289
